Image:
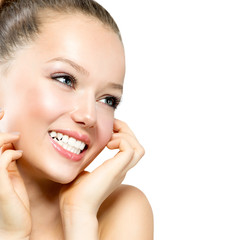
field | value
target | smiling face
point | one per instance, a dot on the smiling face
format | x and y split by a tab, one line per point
68	81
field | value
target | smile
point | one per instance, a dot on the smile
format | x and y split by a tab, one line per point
67	145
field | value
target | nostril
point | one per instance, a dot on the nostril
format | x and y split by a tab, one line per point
86	124
81	123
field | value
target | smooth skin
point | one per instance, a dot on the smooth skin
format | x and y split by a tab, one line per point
42	194
15	219
126	203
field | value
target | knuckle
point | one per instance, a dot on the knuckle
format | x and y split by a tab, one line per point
124	124
142	151
7	154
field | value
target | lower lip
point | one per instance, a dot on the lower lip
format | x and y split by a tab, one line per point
65	153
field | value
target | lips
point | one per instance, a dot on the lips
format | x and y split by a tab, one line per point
69	144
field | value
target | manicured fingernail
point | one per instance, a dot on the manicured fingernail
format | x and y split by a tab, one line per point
15	133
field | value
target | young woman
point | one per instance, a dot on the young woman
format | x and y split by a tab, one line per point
62	68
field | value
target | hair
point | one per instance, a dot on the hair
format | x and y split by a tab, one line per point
21	20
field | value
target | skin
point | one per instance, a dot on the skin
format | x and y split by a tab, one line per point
39	181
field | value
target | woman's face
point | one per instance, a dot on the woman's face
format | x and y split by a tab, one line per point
67	81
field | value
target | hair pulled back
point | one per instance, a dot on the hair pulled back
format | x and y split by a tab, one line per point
20	20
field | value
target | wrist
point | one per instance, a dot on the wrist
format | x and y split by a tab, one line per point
80	225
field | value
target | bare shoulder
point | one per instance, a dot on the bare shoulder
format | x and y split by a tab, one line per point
126	214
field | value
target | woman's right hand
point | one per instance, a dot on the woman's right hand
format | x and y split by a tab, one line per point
15	218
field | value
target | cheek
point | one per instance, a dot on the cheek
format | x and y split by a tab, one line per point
28	109
43	104
105	127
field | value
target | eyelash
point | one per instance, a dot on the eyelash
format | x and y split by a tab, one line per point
115	101
72	79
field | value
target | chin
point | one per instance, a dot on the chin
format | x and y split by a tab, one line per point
61	179
53	172
61	175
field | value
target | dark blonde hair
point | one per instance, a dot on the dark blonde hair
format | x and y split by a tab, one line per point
20	20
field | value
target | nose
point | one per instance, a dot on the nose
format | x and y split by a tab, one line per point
84	112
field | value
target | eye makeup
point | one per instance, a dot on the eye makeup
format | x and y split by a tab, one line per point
66	79
62	74
111	101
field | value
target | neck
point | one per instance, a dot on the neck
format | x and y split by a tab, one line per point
44	205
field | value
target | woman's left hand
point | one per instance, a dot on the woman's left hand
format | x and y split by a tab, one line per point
85	195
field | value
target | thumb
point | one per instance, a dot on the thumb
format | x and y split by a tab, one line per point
80	177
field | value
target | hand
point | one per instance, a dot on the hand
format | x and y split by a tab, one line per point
89	190
15	219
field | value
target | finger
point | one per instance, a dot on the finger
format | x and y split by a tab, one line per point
120	126
1	114
18	183
76	181
138	148
131	139
112	172
8	137
81	177
7	146
133	144
125	154
12	167
6	158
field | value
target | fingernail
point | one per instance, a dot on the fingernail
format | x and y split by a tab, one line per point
15	133
20	151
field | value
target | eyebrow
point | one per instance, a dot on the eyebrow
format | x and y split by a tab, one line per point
83	71
116	86
76	66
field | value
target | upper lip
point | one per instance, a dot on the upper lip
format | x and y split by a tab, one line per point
78	136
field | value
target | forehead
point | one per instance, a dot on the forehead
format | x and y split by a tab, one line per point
84	40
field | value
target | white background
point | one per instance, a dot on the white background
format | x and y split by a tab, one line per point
177	99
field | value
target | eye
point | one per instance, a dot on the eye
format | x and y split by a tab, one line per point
111	101
65	79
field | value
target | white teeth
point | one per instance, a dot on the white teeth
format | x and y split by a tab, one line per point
68	143
72	142
65	138
53	134
65	146
82	146
59	136
73	150
69	148
77	144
